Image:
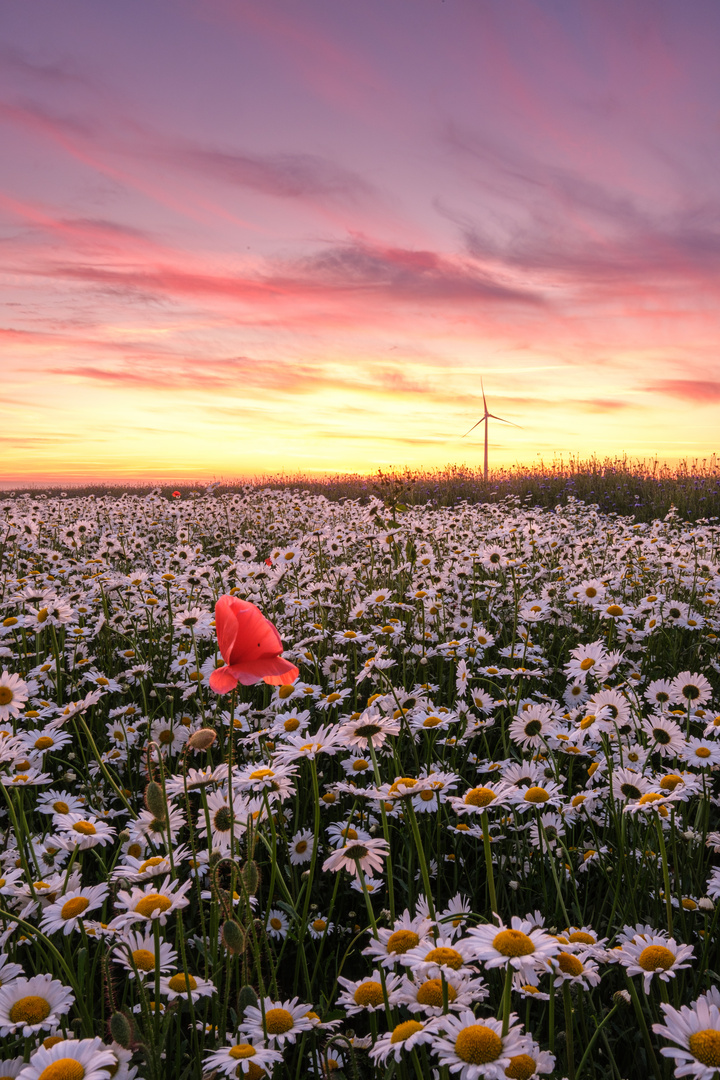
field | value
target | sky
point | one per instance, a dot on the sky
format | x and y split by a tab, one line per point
242	239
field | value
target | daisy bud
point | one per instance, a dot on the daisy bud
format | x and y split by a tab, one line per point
155	801
706	904
121	1030
247	998
123	837
622	997
202	739
251	876
233	937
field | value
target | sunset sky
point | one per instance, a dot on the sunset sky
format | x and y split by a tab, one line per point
238	238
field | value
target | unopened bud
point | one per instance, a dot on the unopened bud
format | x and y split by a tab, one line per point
155	801
622	997
123	837
202	739
121	1030
233	937
706	904
247	998
251	876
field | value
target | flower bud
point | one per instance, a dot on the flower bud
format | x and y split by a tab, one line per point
247	998
233	937
202	739
155	801
251	876
622	997
121	1030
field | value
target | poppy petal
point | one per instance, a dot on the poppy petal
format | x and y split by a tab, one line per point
226	626
221	681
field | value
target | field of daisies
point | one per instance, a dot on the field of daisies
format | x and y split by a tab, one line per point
296	788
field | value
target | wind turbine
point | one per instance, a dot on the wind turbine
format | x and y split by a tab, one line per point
485	418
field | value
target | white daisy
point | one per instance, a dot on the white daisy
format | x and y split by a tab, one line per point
70	907
182	984
366	995
239	1058
521	945
475	1046
407	933
31	1005
404	1037
137	952
653	955
82	830
426	995
283	1021
89	1059
696	1030
152	902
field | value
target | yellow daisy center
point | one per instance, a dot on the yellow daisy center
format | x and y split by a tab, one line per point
587	663
154	861
521	1067
29	1010
569	964
276	923
182	982
402	941
478	1044
85	828
403	1031
536	795
151	903
580	937
448	957
319	926
479	796
261	774
656	956
74	907
430	993
368	993
241	1051
705	1046
278	1021
301	847
404	782
61	807
52	1040
670	782
144	960
513	943
66	1068
44	742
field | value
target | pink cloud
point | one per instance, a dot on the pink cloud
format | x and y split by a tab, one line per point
699	391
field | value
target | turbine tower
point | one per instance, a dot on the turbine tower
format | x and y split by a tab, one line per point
484	419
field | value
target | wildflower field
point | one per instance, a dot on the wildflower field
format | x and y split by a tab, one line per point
296	787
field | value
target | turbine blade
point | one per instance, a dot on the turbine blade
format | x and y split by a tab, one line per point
474	426
503	420
483	394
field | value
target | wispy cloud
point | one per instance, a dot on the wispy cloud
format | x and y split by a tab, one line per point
697	391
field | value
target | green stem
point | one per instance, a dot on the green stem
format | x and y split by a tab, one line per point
488	861
569	1032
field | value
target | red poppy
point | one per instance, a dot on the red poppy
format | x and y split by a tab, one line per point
250	646
176	494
